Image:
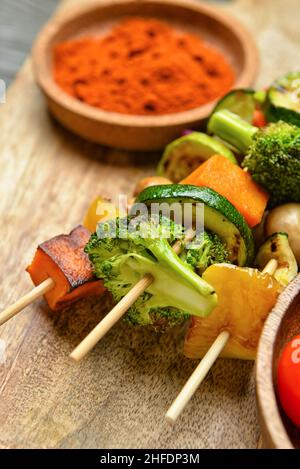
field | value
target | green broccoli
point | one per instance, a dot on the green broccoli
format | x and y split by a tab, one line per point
121	258
272	154
210	251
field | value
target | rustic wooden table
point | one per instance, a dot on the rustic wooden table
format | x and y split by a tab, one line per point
118	395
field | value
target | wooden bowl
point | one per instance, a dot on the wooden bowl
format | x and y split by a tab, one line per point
281	326
130	131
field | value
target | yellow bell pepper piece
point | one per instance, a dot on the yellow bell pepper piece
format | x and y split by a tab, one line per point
100	210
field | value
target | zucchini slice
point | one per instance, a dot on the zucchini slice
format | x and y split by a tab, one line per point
182	156
283	99
277	247
241	102
220	216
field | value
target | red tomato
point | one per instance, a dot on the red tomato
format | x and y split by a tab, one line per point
289	380
259	119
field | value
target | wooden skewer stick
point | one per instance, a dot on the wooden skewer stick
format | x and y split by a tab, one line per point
31	296
120	309
205	365
271	267
197	377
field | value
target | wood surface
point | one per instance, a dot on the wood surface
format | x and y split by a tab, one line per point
118	395
281	326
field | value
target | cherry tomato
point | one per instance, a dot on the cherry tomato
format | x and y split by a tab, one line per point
289	380
259	119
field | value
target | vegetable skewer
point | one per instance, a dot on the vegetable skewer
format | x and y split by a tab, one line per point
272	154
61	271
121	308
201	371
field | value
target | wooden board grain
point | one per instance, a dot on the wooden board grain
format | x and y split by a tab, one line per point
117	396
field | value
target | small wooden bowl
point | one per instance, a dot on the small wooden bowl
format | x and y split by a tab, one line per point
281	326
129	131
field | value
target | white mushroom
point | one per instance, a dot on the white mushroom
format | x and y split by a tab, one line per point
286	218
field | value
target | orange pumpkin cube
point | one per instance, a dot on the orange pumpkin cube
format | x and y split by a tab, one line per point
63	259
231	181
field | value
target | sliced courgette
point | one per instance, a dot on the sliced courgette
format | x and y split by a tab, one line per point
241	102
283	99
182	156
220	216
277	247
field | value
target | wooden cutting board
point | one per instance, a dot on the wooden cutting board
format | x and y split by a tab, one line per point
118	395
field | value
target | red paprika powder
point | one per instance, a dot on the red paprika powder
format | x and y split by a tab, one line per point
143	66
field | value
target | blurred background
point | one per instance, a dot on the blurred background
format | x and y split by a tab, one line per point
20	21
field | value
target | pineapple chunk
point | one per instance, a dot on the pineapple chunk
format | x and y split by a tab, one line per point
245	298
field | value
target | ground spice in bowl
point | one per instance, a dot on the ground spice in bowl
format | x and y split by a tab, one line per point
142	67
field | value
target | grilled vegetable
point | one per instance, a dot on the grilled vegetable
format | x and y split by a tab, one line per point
245	298
63	259
184	155
241	101
236	185
232	129
277	247
220	216
124	250
283	99
286	218
211	250
272	153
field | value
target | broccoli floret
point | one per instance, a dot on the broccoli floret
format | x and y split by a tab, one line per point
211	250
159	318
273	160
121	258
272	154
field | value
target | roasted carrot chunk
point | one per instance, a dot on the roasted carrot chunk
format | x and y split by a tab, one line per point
63	259
232	182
